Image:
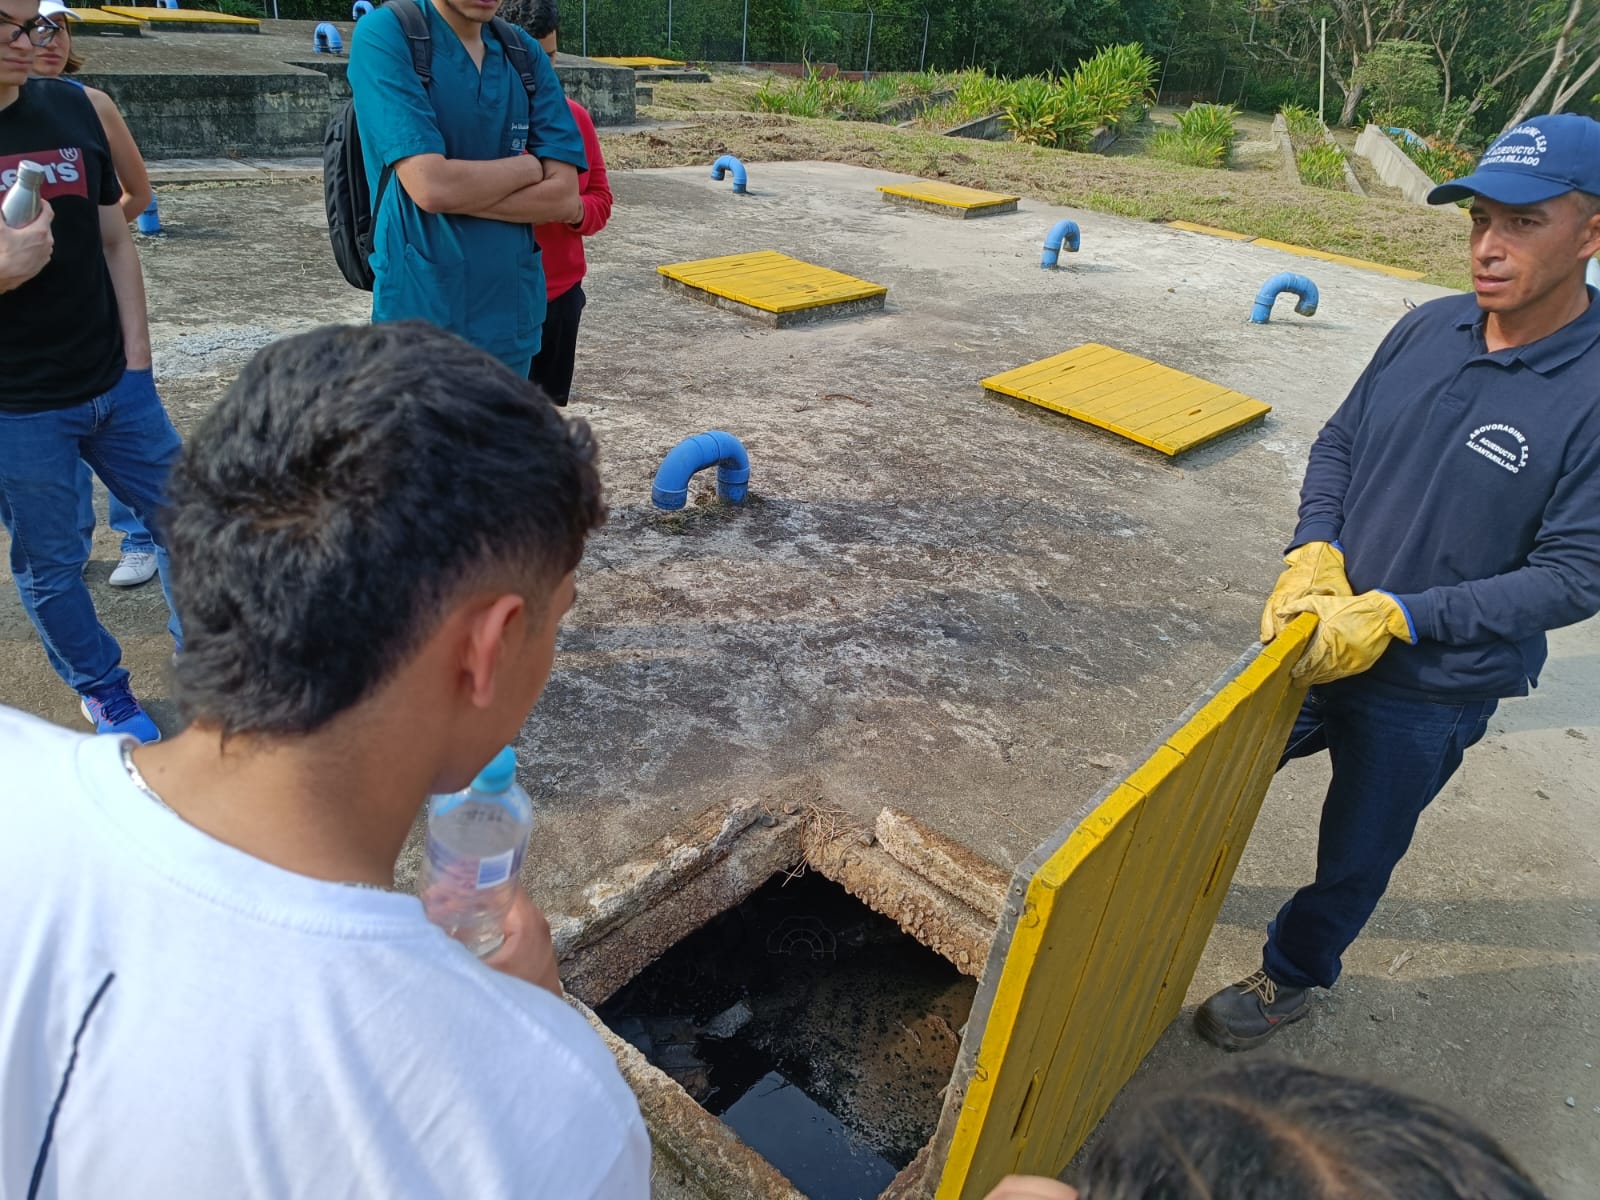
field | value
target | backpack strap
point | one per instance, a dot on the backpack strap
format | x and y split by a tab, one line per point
414	24
516	54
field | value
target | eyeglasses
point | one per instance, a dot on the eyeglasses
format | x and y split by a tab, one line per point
39	31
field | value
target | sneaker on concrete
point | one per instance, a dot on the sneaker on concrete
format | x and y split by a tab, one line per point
114	710
135	567
1247	1013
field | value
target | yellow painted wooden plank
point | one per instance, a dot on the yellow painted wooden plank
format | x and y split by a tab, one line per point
638	60
949	194
1172	419
1145	401
1192	227
193	16
102	17
1209	430
1328	256
1227	411
771	281
1113	928
1049	368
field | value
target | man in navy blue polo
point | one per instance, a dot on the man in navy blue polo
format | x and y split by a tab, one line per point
1450	516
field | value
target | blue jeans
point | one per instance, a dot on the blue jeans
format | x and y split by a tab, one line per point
1391	756
126	437
136	537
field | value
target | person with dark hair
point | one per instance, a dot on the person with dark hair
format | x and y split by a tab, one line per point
210	988
78	385
1450	516
562	242
58	59
1278	1131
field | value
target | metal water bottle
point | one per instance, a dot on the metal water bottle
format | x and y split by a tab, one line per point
23	201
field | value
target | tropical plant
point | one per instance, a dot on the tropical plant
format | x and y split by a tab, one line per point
1171	145
1305	127
1321	165
1204	137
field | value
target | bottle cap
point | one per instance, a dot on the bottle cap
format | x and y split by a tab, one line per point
499	775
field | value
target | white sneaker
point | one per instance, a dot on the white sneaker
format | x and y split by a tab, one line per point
136	567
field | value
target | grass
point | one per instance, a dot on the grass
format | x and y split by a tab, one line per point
1321	165
1387	231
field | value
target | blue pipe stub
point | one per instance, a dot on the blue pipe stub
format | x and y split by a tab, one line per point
360	9
325	39
726	163
714	448
149	220
1287	281
1062	234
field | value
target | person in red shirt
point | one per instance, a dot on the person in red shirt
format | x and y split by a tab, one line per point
562	245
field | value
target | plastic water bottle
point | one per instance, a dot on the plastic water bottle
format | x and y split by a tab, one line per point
23	199
476	841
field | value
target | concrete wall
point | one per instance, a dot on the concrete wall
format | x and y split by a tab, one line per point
267	115
283	113
1392	165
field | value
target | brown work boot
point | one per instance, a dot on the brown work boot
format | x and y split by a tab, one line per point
1247	1013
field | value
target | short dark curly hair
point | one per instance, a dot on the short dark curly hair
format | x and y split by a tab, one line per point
539	17
1270	1130
348	485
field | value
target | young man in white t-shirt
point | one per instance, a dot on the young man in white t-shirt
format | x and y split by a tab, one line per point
208	988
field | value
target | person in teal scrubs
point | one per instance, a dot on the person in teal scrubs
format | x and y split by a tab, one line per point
476	166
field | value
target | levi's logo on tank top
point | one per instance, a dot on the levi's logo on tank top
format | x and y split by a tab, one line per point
64	174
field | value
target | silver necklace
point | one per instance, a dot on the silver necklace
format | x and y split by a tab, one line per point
139	781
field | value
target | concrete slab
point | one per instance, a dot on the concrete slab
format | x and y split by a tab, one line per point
935	601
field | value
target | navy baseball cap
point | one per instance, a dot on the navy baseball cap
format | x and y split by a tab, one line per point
1542	158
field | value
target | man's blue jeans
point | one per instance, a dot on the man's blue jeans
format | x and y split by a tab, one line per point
126	437
136	537
1391	756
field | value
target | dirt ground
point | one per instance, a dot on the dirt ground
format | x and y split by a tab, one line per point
973	609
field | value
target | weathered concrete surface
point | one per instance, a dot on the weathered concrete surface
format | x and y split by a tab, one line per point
1392	165
189	95
975	611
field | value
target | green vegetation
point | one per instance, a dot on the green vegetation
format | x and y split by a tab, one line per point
1204	137
841	99
1110	89
1440	160
1305	127
1321	165
974	94
1402	84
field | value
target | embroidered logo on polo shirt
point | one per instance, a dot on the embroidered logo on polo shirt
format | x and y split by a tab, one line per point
1502	445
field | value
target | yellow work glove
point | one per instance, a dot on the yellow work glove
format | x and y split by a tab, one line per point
1315	569
1352	634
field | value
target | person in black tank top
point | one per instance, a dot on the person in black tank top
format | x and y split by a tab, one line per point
75	378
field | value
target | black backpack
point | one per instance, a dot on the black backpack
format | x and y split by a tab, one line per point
352	210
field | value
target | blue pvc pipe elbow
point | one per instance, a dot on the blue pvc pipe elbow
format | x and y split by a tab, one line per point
729	163
325	39
1299	285
722	450
360	9
1062	233
149	220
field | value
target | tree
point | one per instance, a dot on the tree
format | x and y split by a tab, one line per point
1403	81
1576	52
